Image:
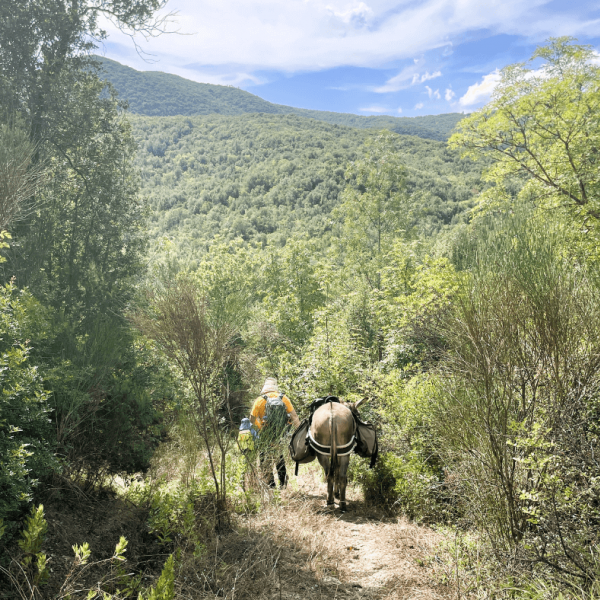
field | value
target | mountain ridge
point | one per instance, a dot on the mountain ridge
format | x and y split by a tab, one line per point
155	93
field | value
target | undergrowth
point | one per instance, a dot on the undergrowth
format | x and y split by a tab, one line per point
465	562
29	571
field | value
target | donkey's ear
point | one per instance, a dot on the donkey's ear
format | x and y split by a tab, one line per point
361	401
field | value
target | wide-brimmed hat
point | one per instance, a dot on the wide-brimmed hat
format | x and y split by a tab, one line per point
270	385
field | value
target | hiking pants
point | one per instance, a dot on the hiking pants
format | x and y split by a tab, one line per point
267	460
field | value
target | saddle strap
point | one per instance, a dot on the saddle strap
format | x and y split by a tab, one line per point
326	450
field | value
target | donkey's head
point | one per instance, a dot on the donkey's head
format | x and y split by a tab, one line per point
353	406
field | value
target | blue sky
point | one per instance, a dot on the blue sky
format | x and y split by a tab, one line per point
402	58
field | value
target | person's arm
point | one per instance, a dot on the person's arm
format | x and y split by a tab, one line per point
291	412
255	413
295	419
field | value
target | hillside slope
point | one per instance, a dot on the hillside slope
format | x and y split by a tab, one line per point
153	93
257	176
158	94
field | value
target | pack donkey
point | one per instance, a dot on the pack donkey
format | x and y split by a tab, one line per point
332	435
331	432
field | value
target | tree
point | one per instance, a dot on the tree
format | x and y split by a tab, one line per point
78	247
84	239
375	210
374	205
542	129
41	39
203	349
83	242
516	408
18	179
292	291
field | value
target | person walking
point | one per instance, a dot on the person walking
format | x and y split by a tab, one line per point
271	413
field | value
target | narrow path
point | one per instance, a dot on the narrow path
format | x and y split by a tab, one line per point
358	554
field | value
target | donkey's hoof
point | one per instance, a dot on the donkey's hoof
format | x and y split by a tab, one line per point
343	507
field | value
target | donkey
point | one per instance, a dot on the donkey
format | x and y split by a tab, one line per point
332	436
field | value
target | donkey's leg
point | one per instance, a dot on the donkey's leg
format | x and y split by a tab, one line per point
330	482
324	460
336	484
342	480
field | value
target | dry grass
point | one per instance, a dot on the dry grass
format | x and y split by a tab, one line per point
297	548
294	547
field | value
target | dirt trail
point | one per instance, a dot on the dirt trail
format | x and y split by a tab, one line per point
295	548
357	554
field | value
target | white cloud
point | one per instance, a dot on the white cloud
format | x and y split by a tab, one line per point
426	76
319	34
479	93
449	94
374	109
408	77
433	94
419	105
357	15
399	109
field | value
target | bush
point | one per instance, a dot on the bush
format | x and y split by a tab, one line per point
518	400
400	484
181	516
28	571
409	475
108	390
378	484
203	347
26	436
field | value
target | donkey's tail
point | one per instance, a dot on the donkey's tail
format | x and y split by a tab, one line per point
333	441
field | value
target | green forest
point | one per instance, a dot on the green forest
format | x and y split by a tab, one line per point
155	269
270	177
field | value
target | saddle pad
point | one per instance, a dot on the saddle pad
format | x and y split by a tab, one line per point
312	407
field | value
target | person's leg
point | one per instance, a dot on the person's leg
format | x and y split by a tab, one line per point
251	472
266	467
281	472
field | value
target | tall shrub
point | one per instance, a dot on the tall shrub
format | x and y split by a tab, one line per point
178	318
519	397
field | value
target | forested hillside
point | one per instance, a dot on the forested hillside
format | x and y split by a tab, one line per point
264	176
154	93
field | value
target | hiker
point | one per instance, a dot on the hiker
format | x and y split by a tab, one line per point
247	437
271	413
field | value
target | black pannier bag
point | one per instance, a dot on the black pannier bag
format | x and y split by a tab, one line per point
300	450
366	441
